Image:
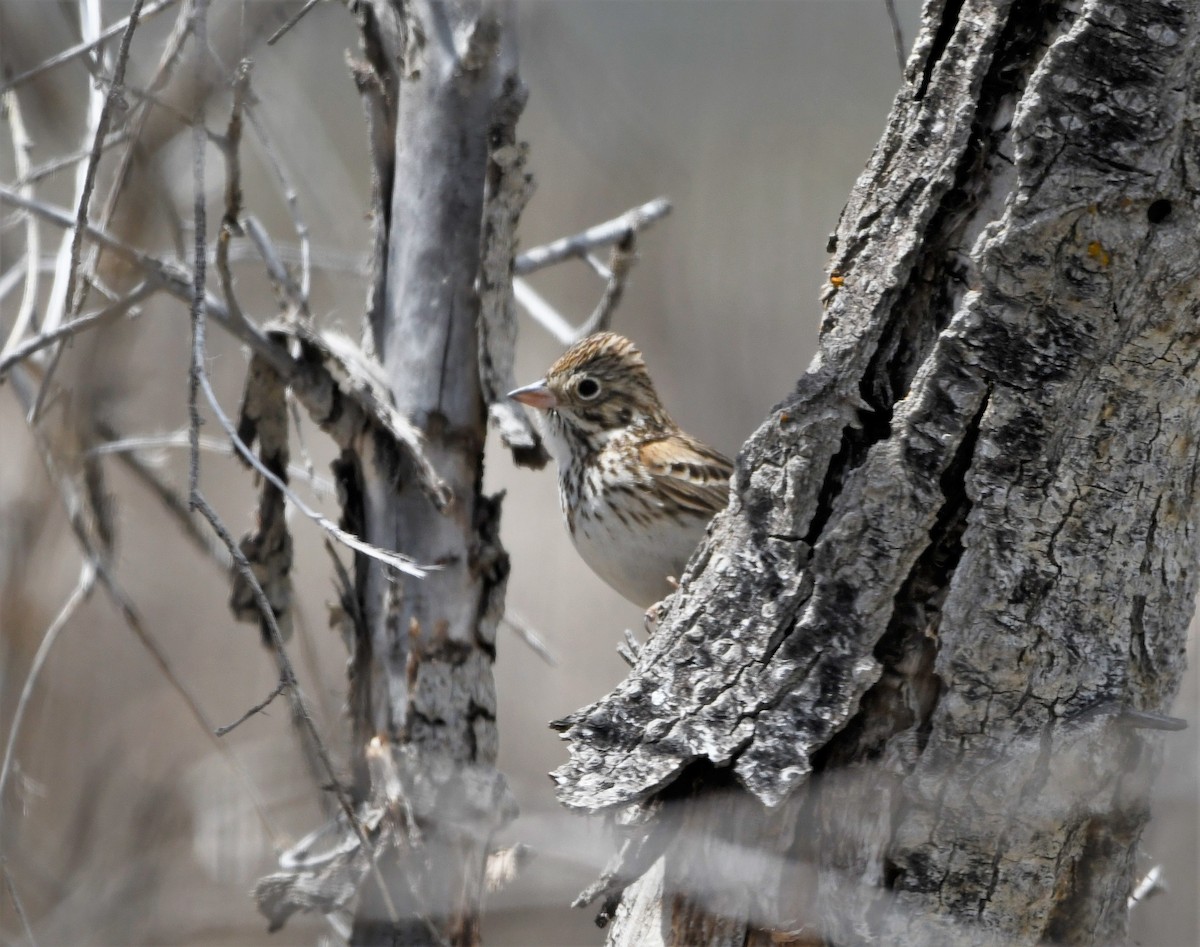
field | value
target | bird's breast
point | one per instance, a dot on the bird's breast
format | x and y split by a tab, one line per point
627	538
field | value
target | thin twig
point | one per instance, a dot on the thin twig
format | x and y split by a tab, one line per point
620	232
111	101
135	445
525	632
1148	720
129	452
320	703
620	262
22	145
1150	884
597	267
147	97
299	703
543	313
137	124
387	557
269	254
296	18
72	299
83	589
82	49
58	305
62	162
601	235
308	657
323	258
176	280
290	199
199	262
13	275
256	709
75	503
897	35
27	348
17	903
230	225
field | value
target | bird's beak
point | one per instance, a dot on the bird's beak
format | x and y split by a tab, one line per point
536	395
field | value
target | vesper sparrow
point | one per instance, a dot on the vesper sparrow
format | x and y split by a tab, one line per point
636	491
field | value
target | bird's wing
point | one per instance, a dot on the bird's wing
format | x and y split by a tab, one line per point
690	473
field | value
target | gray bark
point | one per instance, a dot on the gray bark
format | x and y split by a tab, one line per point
438	78
959	559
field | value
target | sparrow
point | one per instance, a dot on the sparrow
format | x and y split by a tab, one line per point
637	493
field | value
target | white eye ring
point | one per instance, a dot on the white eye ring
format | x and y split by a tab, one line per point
587	388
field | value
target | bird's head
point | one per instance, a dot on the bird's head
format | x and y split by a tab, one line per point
597	388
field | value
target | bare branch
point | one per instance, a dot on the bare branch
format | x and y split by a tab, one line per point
22	145
332	368
601	235
112	101
81	517
17	903
543	313
176	280
523	630
83	589
230	221
175	505
290	198
292	21
621	232
62	162
274	263
199	262
299	703
256	709
343	364
82	49
620	263
136	444
897	35
162	74
31	346
393	559
1150	884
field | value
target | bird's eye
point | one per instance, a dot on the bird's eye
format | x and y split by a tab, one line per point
587	388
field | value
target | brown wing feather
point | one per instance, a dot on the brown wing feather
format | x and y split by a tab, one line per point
690	473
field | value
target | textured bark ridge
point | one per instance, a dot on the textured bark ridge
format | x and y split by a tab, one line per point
965	546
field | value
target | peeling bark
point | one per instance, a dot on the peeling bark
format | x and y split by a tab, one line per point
422	680
964	547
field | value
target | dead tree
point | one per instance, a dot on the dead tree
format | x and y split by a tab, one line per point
907	692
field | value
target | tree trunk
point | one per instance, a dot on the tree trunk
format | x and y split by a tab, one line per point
422	669
922	648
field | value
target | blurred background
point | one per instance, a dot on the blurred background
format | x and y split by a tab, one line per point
121	823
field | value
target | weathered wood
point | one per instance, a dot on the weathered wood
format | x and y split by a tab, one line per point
422	674
967	541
